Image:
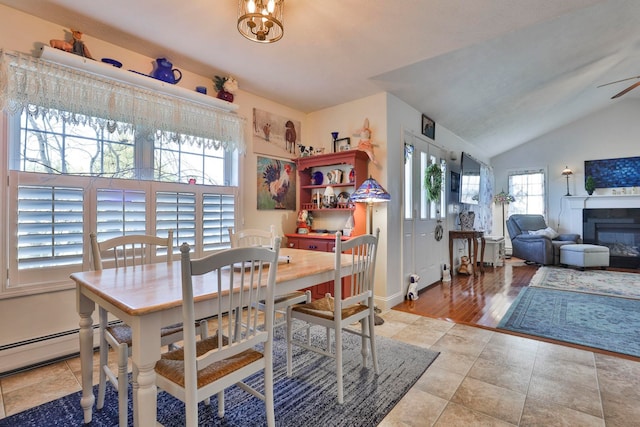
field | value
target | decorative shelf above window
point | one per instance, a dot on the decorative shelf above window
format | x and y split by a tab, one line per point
101	95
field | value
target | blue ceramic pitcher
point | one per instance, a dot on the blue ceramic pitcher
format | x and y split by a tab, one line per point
165	73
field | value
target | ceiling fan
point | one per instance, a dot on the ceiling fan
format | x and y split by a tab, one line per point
630	88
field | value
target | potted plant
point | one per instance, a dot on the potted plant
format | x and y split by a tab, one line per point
433	181
226	87
590	184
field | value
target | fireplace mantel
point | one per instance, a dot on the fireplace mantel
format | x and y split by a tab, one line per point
577	203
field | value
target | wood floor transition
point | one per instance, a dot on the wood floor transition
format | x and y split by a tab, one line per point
483	300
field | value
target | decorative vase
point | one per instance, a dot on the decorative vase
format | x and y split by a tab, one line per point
165	72
226	96
466	220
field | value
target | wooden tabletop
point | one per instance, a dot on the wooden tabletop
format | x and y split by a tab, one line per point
154	287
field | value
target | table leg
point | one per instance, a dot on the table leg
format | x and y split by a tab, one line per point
85	308
474	260
482	243
451	255
146	351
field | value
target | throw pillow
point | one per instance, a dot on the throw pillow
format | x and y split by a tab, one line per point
547	232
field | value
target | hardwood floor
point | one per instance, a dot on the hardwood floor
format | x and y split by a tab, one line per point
479	301
483	300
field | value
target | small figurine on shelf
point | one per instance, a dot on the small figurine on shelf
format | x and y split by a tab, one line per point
76	46
365	143
305	150
305	220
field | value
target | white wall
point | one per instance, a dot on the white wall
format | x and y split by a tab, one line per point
610	133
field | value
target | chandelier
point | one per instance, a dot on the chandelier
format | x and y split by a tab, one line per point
261	20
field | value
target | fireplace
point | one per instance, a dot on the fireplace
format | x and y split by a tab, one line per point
616	228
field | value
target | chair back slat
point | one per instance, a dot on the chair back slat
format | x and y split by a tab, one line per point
252	237
362	251
130	250
241	277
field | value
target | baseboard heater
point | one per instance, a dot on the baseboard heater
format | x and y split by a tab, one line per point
24	355
27	354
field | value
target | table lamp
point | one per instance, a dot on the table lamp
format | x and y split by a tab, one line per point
370	192
566	172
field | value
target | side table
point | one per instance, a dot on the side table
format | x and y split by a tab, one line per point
495	251
472	237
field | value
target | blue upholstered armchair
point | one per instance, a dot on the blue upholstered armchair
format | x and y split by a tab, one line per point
532	240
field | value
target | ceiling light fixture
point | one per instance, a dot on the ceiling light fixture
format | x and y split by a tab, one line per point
261	20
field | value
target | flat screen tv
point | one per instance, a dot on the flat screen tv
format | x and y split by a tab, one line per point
469	180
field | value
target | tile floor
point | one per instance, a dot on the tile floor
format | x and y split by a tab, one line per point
481	378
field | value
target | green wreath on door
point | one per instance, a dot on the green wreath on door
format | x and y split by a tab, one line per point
433	181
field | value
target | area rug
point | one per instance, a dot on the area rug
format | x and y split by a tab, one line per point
308	398
598	282
604	322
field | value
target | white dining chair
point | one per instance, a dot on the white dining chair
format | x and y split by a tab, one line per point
256	237
128	252
336	312
206	367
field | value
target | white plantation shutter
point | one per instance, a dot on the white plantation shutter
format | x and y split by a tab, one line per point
120	212
177	211
50	226
218	214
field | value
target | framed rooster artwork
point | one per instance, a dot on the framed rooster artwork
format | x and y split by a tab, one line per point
276	184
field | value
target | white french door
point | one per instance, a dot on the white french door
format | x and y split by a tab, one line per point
422	251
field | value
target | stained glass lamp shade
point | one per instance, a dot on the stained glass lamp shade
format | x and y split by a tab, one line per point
370	192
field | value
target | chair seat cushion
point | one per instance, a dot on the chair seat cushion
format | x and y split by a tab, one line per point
324	308
290	296
122	332
171	364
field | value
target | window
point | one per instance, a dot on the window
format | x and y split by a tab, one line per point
67	179
48	145
415	182
528	189
175	162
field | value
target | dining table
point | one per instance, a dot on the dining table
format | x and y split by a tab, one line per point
148	297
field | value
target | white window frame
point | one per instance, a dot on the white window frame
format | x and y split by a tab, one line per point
512	207
38	280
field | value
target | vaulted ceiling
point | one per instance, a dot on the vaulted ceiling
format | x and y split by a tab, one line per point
497	73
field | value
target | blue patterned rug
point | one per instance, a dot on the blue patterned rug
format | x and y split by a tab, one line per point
308	398
604	322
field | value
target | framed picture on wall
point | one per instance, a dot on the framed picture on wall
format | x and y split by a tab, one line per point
428	127
455	182
276	184
342	144
275	135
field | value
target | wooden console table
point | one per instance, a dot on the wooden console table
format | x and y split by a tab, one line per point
472	237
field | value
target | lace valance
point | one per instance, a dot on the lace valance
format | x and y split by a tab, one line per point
48	88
